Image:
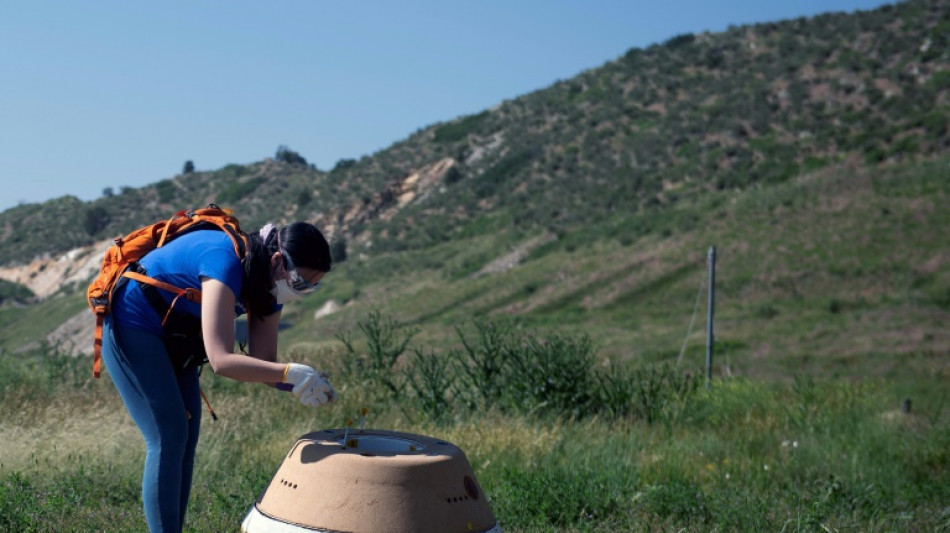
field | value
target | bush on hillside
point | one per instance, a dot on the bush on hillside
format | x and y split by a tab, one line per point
460	128
166	191
11	292
239	190
680	40
343	164
288	156
304	197
95	219
338	250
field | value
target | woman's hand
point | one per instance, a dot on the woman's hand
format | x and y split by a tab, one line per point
310	387
319	393
300	376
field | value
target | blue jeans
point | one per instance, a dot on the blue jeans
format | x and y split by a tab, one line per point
160	402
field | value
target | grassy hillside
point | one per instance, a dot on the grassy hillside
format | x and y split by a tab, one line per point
839	272
842	271
755	105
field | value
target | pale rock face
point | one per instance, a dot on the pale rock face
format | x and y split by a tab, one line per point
387	202
45	275
332	306
75	336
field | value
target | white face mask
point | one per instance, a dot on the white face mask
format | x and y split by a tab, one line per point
284	293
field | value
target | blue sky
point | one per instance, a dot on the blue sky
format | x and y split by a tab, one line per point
118	93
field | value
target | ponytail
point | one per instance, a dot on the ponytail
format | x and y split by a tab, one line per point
257	274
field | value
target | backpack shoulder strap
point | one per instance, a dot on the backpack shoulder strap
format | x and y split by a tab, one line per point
224	220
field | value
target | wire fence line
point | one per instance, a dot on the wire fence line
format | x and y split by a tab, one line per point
692	320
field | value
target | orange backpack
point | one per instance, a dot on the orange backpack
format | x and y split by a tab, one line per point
135	245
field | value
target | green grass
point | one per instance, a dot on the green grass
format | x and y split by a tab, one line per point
808	455
25	326
832	305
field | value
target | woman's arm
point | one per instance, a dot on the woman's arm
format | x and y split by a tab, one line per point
262	336
217	325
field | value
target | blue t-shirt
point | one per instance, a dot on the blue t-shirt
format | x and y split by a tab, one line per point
181	262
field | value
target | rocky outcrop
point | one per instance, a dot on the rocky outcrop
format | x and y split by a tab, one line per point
45	275
387	202
75	336
332	306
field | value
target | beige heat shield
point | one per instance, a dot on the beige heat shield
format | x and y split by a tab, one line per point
376	481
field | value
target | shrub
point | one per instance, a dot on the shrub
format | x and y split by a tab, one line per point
288	156
304	197
459	129
453	175
514	373
95	219
338	250
935	124
482	371
549	374
14	292
679	40
649	393
232	170
239	190
165	190
490	181
386	342
343	164
432	380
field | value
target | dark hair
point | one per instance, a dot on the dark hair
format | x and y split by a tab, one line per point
307	248
306	245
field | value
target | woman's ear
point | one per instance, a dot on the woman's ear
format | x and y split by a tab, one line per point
276	260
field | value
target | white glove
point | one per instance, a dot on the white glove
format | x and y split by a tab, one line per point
319	392
300	376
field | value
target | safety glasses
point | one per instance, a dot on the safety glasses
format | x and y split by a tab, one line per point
294	279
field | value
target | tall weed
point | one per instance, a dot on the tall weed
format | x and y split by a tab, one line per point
513	372
377	370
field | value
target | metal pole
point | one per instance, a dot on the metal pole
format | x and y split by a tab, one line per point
710	308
